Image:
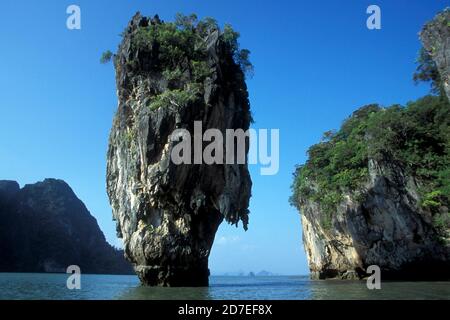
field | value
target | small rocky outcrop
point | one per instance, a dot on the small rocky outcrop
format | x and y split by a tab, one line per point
168	76
435	37
44	227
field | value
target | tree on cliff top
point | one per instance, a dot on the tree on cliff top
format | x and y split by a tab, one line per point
106	57
179	51
185	38
427	71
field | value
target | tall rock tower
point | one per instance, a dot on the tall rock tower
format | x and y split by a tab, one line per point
168	76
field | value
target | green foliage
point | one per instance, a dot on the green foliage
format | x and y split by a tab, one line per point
185	22
174	43
327	220
241	56
106	57
417	137
427	71
130	136
230	37
184	40
180	54
444	180
175	97
200	70
442	221
432	199
207	25
172	75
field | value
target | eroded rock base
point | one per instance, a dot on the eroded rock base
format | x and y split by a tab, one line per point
173	276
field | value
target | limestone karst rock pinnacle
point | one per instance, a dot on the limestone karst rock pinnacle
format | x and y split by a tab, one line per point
167	77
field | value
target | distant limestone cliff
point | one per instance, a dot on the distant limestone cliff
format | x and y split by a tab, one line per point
168	75
44	227
377	191
435	37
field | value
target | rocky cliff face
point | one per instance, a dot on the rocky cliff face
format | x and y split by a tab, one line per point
377	191
387	229
435	37
168	214
44	227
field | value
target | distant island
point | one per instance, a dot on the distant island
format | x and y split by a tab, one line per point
44	227
262	273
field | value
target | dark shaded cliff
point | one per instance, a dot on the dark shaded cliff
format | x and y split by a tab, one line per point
168	76
44	227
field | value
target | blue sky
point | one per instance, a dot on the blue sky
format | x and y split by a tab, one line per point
315	63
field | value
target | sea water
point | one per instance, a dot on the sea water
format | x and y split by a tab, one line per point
101	287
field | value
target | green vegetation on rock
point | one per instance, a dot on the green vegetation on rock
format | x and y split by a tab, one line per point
427	71
179	53
415	137
176	97
106	57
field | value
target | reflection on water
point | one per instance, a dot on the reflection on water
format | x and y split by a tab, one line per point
150	293
53	286
334	289
225	288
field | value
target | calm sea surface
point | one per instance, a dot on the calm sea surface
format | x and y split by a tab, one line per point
53	286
